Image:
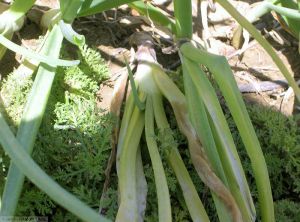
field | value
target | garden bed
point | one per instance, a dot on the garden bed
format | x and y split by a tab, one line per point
74	142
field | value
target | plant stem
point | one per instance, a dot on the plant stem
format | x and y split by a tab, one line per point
265	7
12	20
70	35
298	33
69	9
141	105
51	61
124	125
141	186
258	11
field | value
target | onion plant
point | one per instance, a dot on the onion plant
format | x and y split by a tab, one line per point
197	111
20	147
207	119
153	84
12	20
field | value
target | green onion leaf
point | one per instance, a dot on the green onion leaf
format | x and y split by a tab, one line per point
27	165
163	196
70	35
36	56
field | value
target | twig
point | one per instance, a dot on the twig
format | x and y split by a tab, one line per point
262	86
115	109
287	95
242	50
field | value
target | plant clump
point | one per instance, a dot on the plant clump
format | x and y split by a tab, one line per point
280	138
73	146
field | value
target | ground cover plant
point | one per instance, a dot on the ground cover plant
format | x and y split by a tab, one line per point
180	153
74	132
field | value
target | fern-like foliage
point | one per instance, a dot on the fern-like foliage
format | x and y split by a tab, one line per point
287	211
279	137
13	93
73	143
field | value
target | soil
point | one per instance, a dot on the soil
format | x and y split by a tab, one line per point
110	34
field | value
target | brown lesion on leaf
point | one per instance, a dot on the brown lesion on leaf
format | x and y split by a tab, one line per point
201	162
